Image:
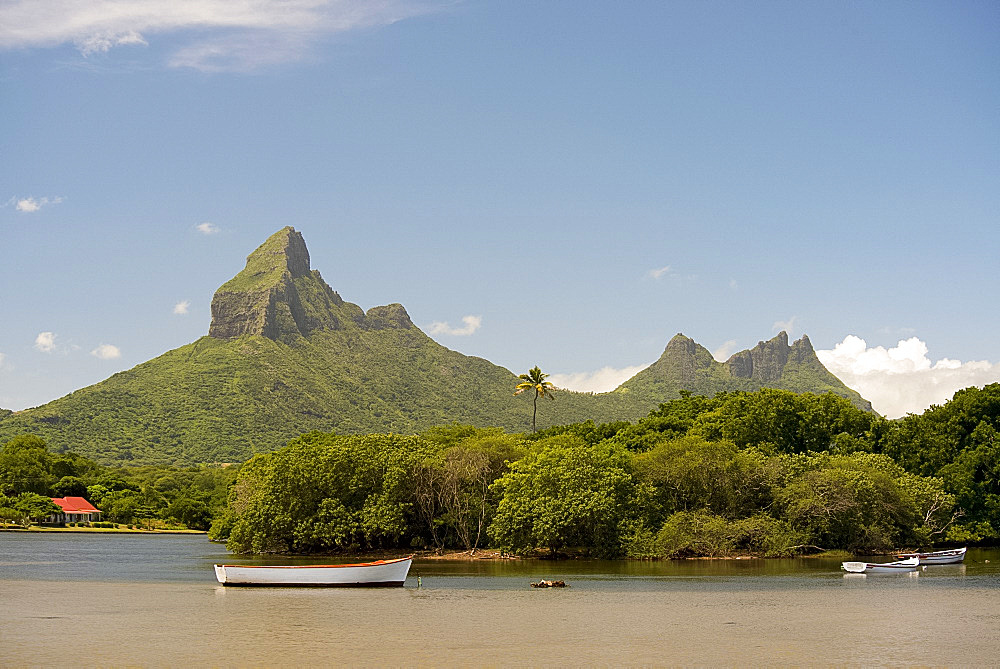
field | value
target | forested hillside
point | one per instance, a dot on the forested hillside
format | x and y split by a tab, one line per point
285	354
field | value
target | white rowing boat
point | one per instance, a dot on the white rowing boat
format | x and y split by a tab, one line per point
899	567
937	557
381	573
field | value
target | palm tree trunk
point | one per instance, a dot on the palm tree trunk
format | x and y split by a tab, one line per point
534	410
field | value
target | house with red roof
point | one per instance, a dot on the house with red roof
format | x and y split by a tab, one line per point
74	510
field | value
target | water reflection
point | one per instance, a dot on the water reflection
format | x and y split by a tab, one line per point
146	601
172	558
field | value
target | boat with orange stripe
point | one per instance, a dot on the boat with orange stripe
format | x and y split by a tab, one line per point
381	573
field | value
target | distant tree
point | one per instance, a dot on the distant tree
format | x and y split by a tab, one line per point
193	513
34	507
96	494
473	468
8	514
123	506
25	466
535	379
7	511
690	473
789	422
70	486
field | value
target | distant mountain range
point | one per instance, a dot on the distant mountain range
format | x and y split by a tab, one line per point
285	354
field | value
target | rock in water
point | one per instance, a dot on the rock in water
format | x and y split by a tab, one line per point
549	584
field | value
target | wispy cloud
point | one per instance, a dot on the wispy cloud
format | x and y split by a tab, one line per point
902	379
727	348
207	228
45	342
472	323
215	35
2	356
29	205
602	380
788	326
659	272
734	284
896	331
106	352
182	307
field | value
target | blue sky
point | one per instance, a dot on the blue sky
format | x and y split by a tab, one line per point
564	184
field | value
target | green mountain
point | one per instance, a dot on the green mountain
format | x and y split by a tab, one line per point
285	354
686	365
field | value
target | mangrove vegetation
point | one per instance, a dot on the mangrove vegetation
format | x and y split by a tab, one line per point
770	473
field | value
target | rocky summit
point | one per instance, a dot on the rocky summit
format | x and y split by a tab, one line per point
285	354
278	296
686	365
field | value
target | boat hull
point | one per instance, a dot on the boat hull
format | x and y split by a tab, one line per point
900	567
381	574
938	557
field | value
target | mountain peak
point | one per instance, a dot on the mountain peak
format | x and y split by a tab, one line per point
279	297
284	251
764	363
686	365
276	295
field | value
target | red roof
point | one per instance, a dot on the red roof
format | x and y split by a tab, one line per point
75	505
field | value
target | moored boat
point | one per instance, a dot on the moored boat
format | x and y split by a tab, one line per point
937	557
899	567
381	573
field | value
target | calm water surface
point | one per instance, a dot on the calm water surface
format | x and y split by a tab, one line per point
82	599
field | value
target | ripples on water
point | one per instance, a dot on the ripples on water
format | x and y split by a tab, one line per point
134	599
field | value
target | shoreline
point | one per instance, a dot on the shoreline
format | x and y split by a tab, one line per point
447	555
96	530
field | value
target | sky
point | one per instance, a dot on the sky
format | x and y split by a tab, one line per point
567	184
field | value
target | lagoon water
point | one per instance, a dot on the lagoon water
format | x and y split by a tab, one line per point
152	600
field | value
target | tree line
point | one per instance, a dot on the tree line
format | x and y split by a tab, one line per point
30	475
769	473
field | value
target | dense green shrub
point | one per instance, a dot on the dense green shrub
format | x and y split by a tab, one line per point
566	493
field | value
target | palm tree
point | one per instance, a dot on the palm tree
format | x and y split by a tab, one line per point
535	378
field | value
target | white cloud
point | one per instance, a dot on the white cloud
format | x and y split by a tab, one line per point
29	205
472	323
600	381
788	326
207	228
658	273
103	42
106	352
182	307
217	34
45	342
902	379
2	356
724	351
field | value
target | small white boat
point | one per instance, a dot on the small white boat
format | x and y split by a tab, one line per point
937	557
381	573
902	566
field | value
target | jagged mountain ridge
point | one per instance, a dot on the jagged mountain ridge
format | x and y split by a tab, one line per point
286	354
278	296
686	365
